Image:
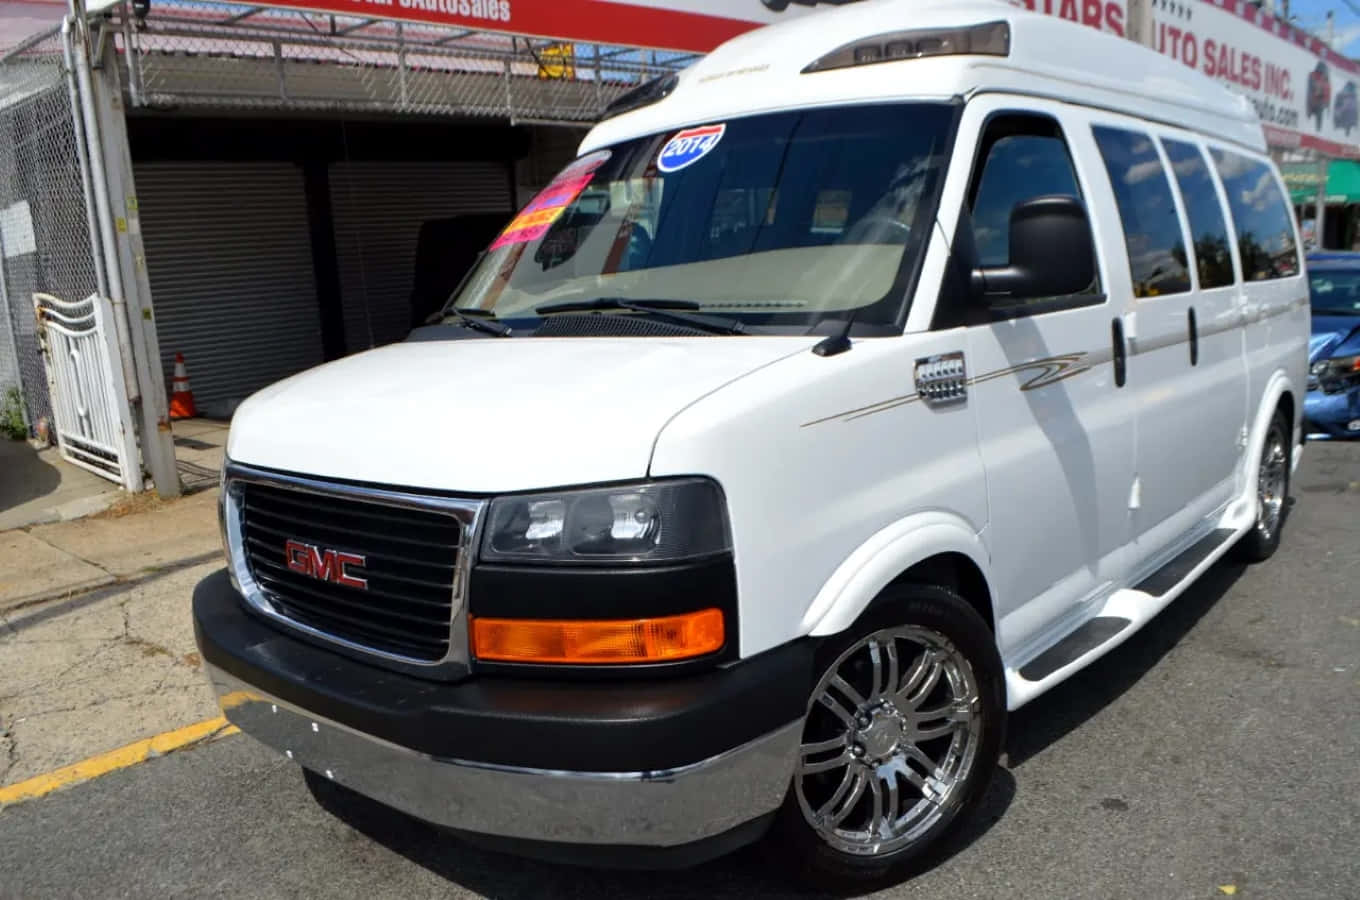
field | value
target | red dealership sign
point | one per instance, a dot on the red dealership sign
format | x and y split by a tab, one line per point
694	25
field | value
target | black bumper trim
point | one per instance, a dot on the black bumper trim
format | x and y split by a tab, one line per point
625	857
610	726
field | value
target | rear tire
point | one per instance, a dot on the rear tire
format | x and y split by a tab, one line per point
903	732
1272	494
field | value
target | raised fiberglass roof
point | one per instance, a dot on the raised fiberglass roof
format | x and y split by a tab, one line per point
763	70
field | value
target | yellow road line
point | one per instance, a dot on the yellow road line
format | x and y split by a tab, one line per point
122	758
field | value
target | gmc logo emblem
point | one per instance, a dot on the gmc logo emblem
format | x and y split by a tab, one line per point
324	565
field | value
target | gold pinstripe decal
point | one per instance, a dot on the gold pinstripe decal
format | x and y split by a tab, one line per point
1049	371
1055	368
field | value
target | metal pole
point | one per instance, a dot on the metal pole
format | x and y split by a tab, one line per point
401	67
1320	216
1138	24
599	83
279	70
99	183
134	63
158	442
83	154
509	97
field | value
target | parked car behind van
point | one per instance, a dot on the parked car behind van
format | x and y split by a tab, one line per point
1332	406
851	389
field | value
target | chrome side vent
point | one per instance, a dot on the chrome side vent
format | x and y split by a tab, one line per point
942	380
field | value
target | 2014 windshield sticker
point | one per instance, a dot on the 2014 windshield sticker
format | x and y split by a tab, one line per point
535	219
689	146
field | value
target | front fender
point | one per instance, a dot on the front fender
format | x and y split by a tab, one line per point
883	557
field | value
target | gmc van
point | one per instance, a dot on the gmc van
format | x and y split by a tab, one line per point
852	388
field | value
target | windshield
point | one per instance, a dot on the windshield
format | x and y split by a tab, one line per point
781	219
1335	292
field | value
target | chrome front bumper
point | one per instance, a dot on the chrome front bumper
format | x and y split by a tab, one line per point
657	809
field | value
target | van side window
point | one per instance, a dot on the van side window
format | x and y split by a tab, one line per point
1265	232
1152	230
1208	229
1023	156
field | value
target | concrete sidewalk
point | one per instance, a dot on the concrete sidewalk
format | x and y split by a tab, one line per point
136	536
39	486
96	638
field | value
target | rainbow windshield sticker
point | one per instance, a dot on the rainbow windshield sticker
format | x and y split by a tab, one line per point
689	146
535	219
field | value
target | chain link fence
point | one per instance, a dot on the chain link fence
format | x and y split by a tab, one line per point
186	54
44	235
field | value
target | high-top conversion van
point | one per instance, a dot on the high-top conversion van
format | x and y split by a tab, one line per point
854	387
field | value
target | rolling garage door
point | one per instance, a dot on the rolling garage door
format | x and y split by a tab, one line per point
230	262
378	209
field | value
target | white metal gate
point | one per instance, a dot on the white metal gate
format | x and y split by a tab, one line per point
85	378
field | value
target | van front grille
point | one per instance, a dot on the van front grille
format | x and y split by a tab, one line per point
375	575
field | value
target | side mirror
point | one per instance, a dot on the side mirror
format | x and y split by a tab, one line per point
1050	248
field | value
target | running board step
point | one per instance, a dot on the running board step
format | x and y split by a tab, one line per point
1089	636
1173	573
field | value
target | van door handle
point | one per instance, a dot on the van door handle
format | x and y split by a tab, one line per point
1120	352
1194	337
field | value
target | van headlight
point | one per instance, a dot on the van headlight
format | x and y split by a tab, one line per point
654	521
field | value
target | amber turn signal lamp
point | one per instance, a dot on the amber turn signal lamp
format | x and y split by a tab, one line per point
597	642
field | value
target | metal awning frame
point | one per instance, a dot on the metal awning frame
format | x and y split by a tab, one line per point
186	53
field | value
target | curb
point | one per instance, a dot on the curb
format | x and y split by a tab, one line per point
66	591
72	592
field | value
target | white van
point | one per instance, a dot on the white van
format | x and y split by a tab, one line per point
862	383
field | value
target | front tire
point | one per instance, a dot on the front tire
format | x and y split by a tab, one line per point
902	735
1272	494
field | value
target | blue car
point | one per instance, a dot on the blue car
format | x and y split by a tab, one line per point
1332	407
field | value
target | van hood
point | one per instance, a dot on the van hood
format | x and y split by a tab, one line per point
489	415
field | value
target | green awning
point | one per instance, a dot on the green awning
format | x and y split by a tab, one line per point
1343	181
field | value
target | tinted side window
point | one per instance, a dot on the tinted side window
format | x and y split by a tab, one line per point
1152	230
1208	230
1265	232
1018	167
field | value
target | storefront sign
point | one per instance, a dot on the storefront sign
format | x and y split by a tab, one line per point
1304	92
692	25
1105	15
1305	179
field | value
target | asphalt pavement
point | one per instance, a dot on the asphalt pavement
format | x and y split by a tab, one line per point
1216	753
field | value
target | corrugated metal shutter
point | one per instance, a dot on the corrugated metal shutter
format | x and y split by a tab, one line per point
229	256
378	210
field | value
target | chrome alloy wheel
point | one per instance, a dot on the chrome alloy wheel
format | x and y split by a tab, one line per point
1270	483
891	736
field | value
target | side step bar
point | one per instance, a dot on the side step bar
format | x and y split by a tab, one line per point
1173	573
1123	613
1073	647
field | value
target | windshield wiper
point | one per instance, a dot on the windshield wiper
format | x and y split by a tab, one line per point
676	311
477	320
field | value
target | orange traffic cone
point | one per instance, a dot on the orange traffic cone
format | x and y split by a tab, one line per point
181	398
